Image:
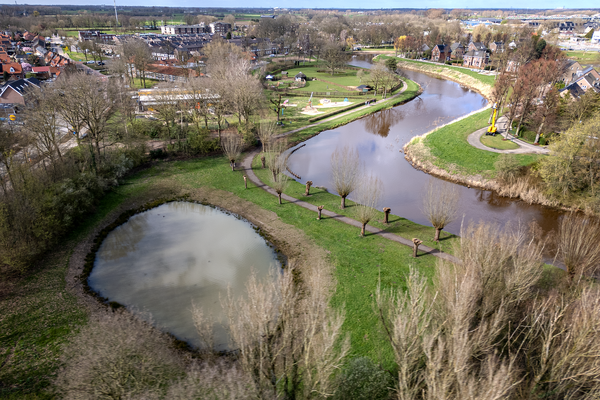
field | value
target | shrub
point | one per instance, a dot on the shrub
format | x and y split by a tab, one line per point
363	380
507	168
115	357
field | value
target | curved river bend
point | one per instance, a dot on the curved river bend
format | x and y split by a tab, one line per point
163	259
379	139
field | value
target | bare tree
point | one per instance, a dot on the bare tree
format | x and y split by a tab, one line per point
578	238
275	156
334	57
244	91
41	121
289	344
265	131
232	147
281	180
368	194
440	204
345	172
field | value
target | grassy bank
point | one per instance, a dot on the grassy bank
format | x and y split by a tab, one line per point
475	80
497	142
447	148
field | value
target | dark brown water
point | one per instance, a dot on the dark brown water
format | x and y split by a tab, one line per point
164	259
380	137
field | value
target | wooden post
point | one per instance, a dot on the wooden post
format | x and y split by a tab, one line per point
387	211
319	209
416	243
262	159
308	185
245	181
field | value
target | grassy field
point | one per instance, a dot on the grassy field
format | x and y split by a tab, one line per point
584	57
334	82
450	148
137	83
497	142
77	56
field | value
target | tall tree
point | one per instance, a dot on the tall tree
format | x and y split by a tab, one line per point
345	172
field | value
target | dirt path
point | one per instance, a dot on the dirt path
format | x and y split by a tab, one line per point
247	166
474	140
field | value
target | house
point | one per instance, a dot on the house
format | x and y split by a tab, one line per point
28	36
364	88
12	92
596	37
440	53
570	68
497	47
4	58
46	72
475	59
14	70
582	85
476	46
300	77
457	51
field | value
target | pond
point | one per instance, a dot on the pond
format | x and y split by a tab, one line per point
379	139
163	259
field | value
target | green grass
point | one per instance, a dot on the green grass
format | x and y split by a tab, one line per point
453	153
584	57
346	78
138	84
497	142
486	79
75	56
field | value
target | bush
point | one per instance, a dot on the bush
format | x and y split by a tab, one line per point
117	356
363	380
158	154
507	167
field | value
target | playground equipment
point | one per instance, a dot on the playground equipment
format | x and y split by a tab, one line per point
492	128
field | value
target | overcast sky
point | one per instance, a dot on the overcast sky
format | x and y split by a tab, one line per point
341	4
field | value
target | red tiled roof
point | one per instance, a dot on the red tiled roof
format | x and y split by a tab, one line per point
16	66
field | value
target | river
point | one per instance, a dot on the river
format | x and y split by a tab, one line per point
379	139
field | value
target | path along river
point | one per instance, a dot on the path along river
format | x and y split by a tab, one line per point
379	139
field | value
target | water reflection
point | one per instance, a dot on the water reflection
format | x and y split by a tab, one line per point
165	258
381	122
379	139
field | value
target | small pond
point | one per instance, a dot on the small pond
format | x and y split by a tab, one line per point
162	260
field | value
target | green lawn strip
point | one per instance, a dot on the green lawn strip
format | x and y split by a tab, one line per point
77	56
346	78
498	142
138	83
585	57
487	79
398	225
411	91
450	148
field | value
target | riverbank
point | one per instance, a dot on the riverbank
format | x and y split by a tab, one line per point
39	314
473	80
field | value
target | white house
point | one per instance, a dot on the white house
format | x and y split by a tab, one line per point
596	37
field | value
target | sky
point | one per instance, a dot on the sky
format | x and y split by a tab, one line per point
340	4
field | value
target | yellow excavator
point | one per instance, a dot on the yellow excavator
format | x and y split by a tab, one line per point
492	128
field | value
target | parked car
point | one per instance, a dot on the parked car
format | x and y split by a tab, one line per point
91	62
101	63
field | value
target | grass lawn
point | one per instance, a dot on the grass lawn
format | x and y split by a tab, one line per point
138	84
584	57
497	142
450	148
75	56
345	78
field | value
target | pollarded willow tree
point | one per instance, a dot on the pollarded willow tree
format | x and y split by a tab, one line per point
577	244
368	194
232	147
345	172
440	204
266	131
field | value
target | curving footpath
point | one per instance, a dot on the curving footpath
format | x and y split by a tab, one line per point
246	164
474	140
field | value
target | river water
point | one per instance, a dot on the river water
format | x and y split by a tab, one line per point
379	139
162	260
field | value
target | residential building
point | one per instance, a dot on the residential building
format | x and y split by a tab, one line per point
570	68
475	59
183	29
497	47
12	92
457	51
476	46
220	28
441	53
14	70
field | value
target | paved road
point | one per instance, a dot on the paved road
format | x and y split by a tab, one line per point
247	166
524	147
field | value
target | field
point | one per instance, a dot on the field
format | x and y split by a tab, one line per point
584	57
334	82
